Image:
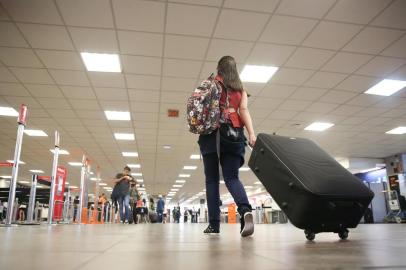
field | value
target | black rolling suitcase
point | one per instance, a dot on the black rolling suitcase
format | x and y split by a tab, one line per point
312	188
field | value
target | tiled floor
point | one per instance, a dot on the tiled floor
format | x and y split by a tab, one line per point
184	246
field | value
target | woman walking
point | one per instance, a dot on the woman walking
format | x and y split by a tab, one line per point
226	146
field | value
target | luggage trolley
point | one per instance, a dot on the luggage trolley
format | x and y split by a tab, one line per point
395	211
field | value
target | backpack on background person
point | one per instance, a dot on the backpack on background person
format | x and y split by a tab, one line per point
203	107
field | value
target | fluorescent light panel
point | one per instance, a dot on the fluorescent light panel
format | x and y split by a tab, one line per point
180	181
37	171
130	154
102	184
12	161
134	165
244	169
23	182
124	136
257	74
195	157
136	174
184	175
167	147
319	126
8	111
117	115
61	151
35	132
189	167
75	164
101	62
140	180
397	131
386	87
176	186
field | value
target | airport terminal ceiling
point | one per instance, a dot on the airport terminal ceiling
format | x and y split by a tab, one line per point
328	53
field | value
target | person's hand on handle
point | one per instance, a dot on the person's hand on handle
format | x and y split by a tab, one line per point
252	139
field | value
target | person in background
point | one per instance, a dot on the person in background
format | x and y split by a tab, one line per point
234	117
160	207
185	216
122	182
102	199
1	211
134	195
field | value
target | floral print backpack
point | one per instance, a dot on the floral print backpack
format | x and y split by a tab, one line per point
203	107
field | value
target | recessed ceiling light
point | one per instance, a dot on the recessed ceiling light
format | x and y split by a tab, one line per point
180	181
130	154
37	171
77	164
318	126
117	115
23	182
93	178
222	182
124	136
189	167
5	176
8	111
35	132
258	74
101	62
184	175
140	180
174	189
73	187
257	183
244	169
61	151
398	130
91	173
175	186
102	184
136	174
167	147
248	186
12	161
386	87
195	157
134	165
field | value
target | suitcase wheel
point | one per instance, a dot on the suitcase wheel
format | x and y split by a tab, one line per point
343	234
310	235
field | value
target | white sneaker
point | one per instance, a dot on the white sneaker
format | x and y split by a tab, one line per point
248	228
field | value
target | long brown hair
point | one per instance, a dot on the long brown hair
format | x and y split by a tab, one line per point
227	69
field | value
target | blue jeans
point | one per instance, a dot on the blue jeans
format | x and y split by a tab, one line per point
230	163
124	202
160	215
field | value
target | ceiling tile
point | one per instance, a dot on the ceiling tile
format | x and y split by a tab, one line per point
234	24
37	11
42	90
145	107
178	14
67	77
365	100
46	36
309	58
277	91
31	75
143	81
270	54
254	5
114	105
357	83
331	35
321	107
291	76
60	59
373	40
371	112
13	89
346	62
399	74
93	13
393	16
294	105
139	15
178	84
238	49
90	114
381	66
144	95
397	49
19	57
307	93
185	47
111	93
85	104
337	96
360	11
353	120
54	103
78	92
6	76
141	64
153	117
174	97
17	101
10	36
181	68
106	79
310	8
59	113
282	114
94	40
287	30
325	79
140	43
215	3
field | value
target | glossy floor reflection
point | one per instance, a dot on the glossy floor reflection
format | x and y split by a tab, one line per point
184	246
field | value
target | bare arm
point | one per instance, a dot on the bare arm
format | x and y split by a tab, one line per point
246	118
